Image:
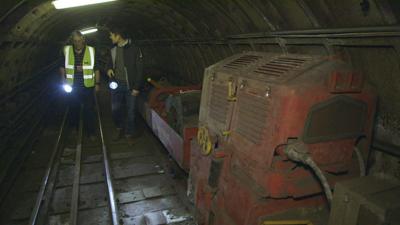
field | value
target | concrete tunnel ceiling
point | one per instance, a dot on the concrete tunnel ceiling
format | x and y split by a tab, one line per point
183	37
199	19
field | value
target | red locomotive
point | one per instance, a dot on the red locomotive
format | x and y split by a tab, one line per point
276	132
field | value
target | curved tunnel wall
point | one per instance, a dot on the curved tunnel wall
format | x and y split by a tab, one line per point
181	38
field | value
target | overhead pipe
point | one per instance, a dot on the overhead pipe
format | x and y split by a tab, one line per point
387	148
327	32
12	10
307	33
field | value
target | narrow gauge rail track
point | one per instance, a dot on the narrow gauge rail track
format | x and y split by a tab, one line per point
89	182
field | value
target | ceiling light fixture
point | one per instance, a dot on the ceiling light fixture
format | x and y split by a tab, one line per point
62	4
89	30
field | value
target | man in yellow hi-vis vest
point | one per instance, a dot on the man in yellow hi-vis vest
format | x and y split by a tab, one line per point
80	74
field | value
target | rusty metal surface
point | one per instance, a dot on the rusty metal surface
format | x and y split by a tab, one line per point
318	129
218	105
215	93
252	117
268	111
242	61
283	68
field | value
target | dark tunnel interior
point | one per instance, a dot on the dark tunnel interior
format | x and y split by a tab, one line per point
180	39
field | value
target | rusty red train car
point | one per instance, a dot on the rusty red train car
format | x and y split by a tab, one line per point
171	112
276	132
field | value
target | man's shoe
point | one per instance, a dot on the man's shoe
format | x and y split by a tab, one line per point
118	135
137	134
92	138
130	139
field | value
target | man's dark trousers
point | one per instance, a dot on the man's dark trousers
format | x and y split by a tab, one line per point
85	97
118	97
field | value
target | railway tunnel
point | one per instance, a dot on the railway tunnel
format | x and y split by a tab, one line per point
250	112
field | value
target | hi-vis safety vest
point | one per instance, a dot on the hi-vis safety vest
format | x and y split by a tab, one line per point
87	65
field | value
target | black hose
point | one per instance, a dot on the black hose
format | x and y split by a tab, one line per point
360	162
298	152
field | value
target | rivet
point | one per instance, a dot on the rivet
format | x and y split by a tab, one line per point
268	92
242	84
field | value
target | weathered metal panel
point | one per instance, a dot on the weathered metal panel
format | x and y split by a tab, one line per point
270	96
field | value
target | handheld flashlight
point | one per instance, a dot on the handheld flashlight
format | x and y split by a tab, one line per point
67	88
113	83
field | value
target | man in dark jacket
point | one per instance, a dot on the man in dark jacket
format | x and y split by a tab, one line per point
126	67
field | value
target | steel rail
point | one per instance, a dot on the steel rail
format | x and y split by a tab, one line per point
23	143
109	182
77	174
39	200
